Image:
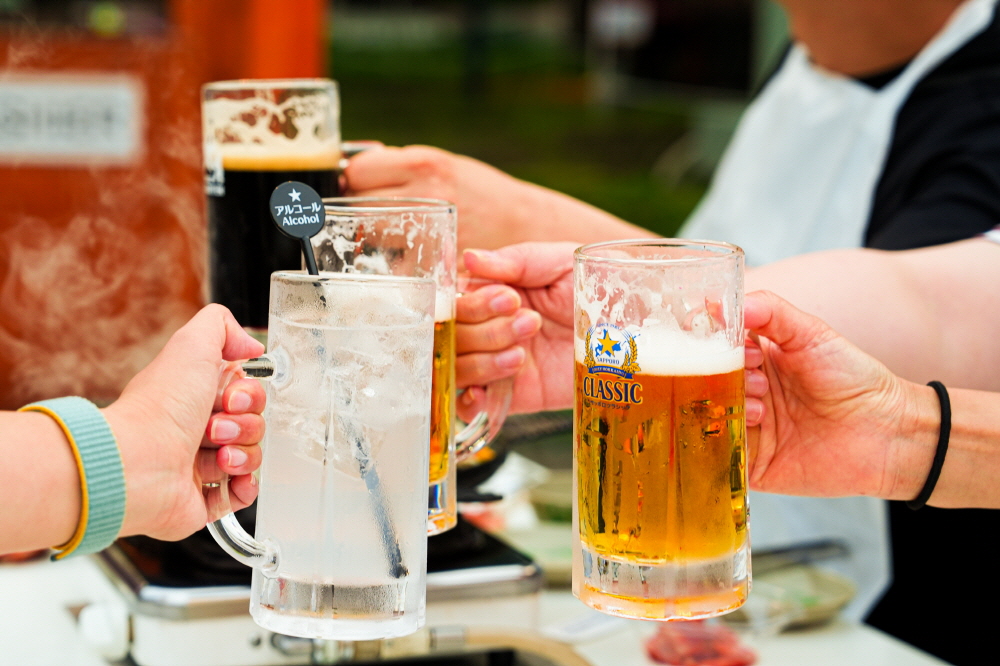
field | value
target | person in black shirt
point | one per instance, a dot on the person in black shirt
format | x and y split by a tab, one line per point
941	182
929	71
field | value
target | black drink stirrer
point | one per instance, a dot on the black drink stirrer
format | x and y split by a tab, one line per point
298	212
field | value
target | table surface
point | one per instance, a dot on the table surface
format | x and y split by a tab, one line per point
36	627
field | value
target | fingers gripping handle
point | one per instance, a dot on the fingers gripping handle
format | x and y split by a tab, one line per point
227	531
484	428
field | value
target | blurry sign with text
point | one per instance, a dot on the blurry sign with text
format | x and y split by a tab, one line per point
62	119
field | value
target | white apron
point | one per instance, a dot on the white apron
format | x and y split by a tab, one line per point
799	175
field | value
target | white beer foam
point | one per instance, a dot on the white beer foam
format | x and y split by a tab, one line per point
248	121
238	136
666	352
444	306
663	351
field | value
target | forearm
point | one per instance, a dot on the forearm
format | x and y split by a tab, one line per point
495	209
541	214
971	473
927	314
969	476
39	484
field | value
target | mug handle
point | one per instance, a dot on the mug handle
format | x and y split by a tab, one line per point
486	425
349	149
227	531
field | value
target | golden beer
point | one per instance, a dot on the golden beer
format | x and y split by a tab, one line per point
442	398
661	478
441	509
682	447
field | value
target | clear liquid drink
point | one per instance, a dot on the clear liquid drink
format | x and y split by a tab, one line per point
343	492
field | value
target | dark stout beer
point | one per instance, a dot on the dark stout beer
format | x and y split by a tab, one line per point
245	246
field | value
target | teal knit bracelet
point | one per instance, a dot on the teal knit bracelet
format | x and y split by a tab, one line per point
102	479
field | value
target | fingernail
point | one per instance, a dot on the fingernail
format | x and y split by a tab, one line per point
526	323
505	302
253	479
239	402
510	359
466	398
237	457
756	384
754	412
224	430
480	254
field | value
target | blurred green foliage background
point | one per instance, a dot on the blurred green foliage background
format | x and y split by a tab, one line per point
522	102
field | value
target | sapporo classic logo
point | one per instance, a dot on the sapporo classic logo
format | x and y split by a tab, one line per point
611	362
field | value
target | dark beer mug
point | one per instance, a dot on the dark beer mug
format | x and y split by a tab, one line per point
257	135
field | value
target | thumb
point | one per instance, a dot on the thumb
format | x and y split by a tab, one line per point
526	265
214	331
782	323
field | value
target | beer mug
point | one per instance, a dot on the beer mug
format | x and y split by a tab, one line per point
341	546
257	134
659	431
417	238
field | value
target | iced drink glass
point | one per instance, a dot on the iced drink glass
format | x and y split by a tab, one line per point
340	550
660	438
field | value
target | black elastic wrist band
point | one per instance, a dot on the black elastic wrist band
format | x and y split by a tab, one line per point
942	448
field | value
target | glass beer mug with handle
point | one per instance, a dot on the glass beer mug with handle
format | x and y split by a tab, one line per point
417	238
340	550
659	432
257	134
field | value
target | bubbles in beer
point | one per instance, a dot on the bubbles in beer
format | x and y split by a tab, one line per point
661	479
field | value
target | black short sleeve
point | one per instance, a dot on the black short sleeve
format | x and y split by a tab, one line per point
956	198
941	179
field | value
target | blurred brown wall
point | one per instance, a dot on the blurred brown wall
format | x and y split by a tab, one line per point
100	263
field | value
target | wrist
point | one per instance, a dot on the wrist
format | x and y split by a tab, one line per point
970	469
560	217
99	465
914	444
119	415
